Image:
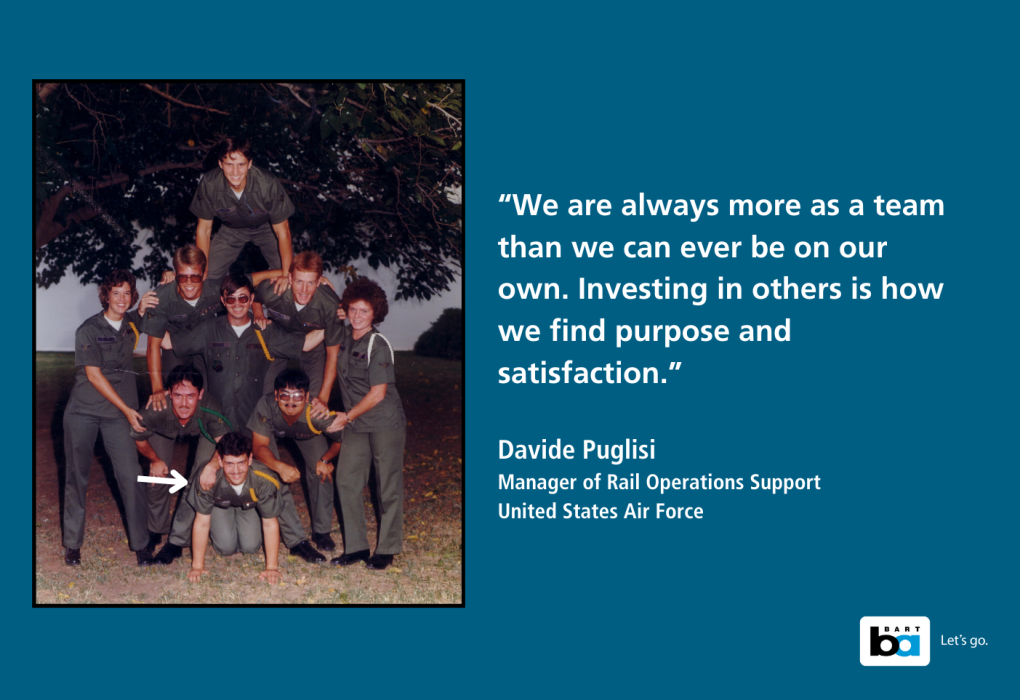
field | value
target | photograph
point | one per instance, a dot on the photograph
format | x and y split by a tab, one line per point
248	343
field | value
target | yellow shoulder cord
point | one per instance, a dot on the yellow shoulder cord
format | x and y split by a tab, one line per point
253	496
264	348
268	478
308	417
136	334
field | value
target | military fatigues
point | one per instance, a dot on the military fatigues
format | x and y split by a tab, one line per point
162	430
374	438
173	315
237	368
268	420
319	313
236	524
98	344
263	203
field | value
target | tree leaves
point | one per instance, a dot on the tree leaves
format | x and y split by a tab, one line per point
369	167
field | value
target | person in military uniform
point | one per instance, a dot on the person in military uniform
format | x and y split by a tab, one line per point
194	413
237	356
287	415
105	399
307	305
243	505
179	307
375	429
250	203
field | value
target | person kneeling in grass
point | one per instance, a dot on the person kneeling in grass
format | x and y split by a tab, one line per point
239	512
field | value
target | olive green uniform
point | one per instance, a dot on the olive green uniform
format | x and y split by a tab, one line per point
236	523
98	344
237	369
318	313
267	420
163	430
237	366
175	316
251	217
373	438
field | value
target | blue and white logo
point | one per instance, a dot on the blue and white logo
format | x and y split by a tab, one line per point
895	641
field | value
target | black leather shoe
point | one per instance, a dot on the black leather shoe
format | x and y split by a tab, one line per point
323	542
72	557
165	556
348	559
154	539
305	551
379	561
144	557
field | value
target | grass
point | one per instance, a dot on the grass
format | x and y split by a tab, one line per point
429	571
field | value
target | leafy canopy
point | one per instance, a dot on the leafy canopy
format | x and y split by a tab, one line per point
375	171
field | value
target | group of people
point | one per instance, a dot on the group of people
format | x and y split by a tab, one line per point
218	348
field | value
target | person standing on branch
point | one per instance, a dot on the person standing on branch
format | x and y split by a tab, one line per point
375	429
105	399
251	205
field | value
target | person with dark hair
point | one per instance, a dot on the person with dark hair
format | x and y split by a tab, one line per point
287	415
251	205
194	414
237	356
105	399
239	512
181	307
307	305
375	429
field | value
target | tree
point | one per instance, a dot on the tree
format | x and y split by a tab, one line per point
375	171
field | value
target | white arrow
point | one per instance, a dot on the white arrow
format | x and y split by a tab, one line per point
178	482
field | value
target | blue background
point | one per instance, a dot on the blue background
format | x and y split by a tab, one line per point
903	408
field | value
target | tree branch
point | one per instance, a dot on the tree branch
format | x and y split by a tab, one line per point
46	229
47	89
181	102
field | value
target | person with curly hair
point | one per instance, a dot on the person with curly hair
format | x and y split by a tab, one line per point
375	429
105	399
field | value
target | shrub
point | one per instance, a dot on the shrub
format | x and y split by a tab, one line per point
445	338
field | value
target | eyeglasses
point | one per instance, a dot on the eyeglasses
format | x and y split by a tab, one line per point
185	279
285	395
230	301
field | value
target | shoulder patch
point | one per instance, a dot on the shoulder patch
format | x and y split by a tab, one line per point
268	478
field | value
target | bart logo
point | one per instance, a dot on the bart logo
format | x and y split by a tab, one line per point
895	641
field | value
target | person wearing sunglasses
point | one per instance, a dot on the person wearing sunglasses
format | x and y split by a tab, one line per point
287	415
251	205
307	304
179	304
237	356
